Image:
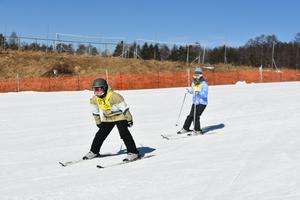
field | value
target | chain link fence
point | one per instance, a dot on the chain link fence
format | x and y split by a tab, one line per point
80	47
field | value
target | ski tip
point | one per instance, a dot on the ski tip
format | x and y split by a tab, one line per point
99	166
164	137
62	164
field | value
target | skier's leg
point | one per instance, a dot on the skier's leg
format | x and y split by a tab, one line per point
126	137
189	119
104	130
199	110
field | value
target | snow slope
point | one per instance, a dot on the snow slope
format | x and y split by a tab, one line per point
251	152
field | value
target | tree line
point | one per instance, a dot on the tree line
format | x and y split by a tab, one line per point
264	50
13	42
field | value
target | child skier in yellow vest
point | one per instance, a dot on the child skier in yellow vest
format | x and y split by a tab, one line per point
110	109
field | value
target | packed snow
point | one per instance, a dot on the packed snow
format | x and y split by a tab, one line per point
252	149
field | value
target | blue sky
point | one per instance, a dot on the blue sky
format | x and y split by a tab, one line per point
210	22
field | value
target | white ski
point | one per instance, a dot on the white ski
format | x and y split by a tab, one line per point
64	164
179	136
124	162
72	162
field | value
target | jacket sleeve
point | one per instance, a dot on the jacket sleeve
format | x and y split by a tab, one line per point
119	106
95	110
204	90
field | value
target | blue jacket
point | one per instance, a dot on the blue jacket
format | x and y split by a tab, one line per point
199	92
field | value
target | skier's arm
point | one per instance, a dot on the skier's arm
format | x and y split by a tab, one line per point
95	111
204	90
119	106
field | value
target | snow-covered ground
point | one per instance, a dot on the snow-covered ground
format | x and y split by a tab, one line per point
251	152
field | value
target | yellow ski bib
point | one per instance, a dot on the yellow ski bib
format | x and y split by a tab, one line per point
197	88
103	103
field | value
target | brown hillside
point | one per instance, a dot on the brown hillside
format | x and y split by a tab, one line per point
40	64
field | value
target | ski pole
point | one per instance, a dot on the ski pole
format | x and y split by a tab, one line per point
180	109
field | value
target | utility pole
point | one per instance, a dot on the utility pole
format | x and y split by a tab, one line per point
261	55
225	58
273	60
297	57
187	54
155	43
199	60
123	49
55	42
5	38
203	55
135	51
272	54
47	39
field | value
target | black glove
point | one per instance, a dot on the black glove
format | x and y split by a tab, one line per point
129	123
98	125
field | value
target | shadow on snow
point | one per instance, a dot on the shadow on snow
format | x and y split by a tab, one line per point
142	150
210	128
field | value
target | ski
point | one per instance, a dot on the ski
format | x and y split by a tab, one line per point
72	162
124	162
207	130
178	136
188	131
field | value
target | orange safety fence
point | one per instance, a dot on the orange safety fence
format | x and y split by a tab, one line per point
145	81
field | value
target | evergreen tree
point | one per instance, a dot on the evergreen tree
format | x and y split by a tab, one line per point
156	52
132	49
34	47
119	49
232	55
182	53
297	38
174	55
13	41
91	50
81	49
2	42
297	47
216	55
145	53
94	51
164	52
194	52
151	53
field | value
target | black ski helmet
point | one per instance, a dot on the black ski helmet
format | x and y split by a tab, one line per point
100	83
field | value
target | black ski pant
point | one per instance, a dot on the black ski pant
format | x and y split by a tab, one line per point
189	119
104	130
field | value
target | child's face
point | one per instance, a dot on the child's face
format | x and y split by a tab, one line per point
197	76
98	91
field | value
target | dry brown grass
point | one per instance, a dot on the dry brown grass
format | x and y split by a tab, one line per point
40	64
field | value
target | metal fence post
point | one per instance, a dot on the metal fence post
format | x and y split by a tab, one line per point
18	82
